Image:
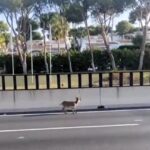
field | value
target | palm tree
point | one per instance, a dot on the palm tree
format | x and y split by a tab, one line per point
60	29
56	29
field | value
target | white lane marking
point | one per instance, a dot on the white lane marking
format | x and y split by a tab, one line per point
138	120
69	128
20	138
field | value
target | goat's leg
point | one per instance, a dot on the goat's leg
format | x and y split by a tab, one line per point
74	111
64	110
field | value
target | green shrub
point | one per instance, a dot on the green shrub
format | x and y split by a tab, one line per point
81	61
130	47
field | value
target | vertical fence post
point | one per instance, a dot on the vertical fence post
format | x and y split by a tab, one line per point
131	78
3	83
47	81
121	79
100	80
110	79
90	80
37	81
14	82
26	82
58	81
69	81
79	81
141	79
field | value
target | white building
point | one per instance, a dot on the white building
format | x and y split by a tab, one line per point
97	42
115	41
53	46
38	47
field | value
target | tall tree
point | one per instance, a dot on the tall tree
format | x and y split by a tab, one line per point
13	10
60	29
124	27
43	16
77	13
61	7
78	34
4	35
104	11
34	23
141	13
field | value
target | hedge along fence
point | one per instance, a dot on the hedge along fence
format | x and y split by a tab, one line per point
81	61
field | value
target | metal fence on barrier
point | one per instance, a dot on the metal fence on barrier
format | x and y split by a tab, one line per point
75	80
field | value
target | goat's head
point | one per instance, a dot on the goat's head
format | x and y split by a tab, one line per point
78	99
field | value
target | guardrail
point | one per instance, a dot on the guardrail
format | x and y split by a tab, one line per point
75	80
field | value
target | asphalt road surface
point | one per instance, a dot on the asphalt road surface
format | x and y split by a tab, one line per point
113	130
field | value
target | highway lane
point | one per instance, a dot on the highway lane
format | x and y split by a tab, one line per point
114	130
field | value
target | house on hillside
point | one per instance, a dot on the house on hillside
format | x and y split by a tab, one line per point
115	41
97	42
38	47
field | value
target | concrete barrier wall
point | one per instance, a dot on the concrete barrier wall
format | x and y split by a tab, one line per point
90	97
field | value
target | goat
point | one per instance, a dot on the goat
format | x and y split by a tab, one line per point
70	105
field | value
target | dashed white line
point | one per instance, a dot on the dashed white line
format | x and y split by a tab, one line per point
20	138
69	128
138	120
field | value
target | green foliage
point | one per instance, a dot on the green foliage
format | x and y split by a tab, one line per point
140	12
4	35
24	26
2	60
81	61
3	27
126	59
8	64
74	13
130	47
37	36
60	27
45	20
79	32
111	7
124	27
38	64
137	40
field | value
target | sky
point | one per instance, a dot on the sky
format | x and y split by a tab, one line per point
123	16
119	18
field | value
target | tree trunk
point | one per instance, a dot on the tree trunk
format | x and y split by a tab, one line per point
106	42
90	47
58	42
69	58
22	56
45	53
143	47
24	64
